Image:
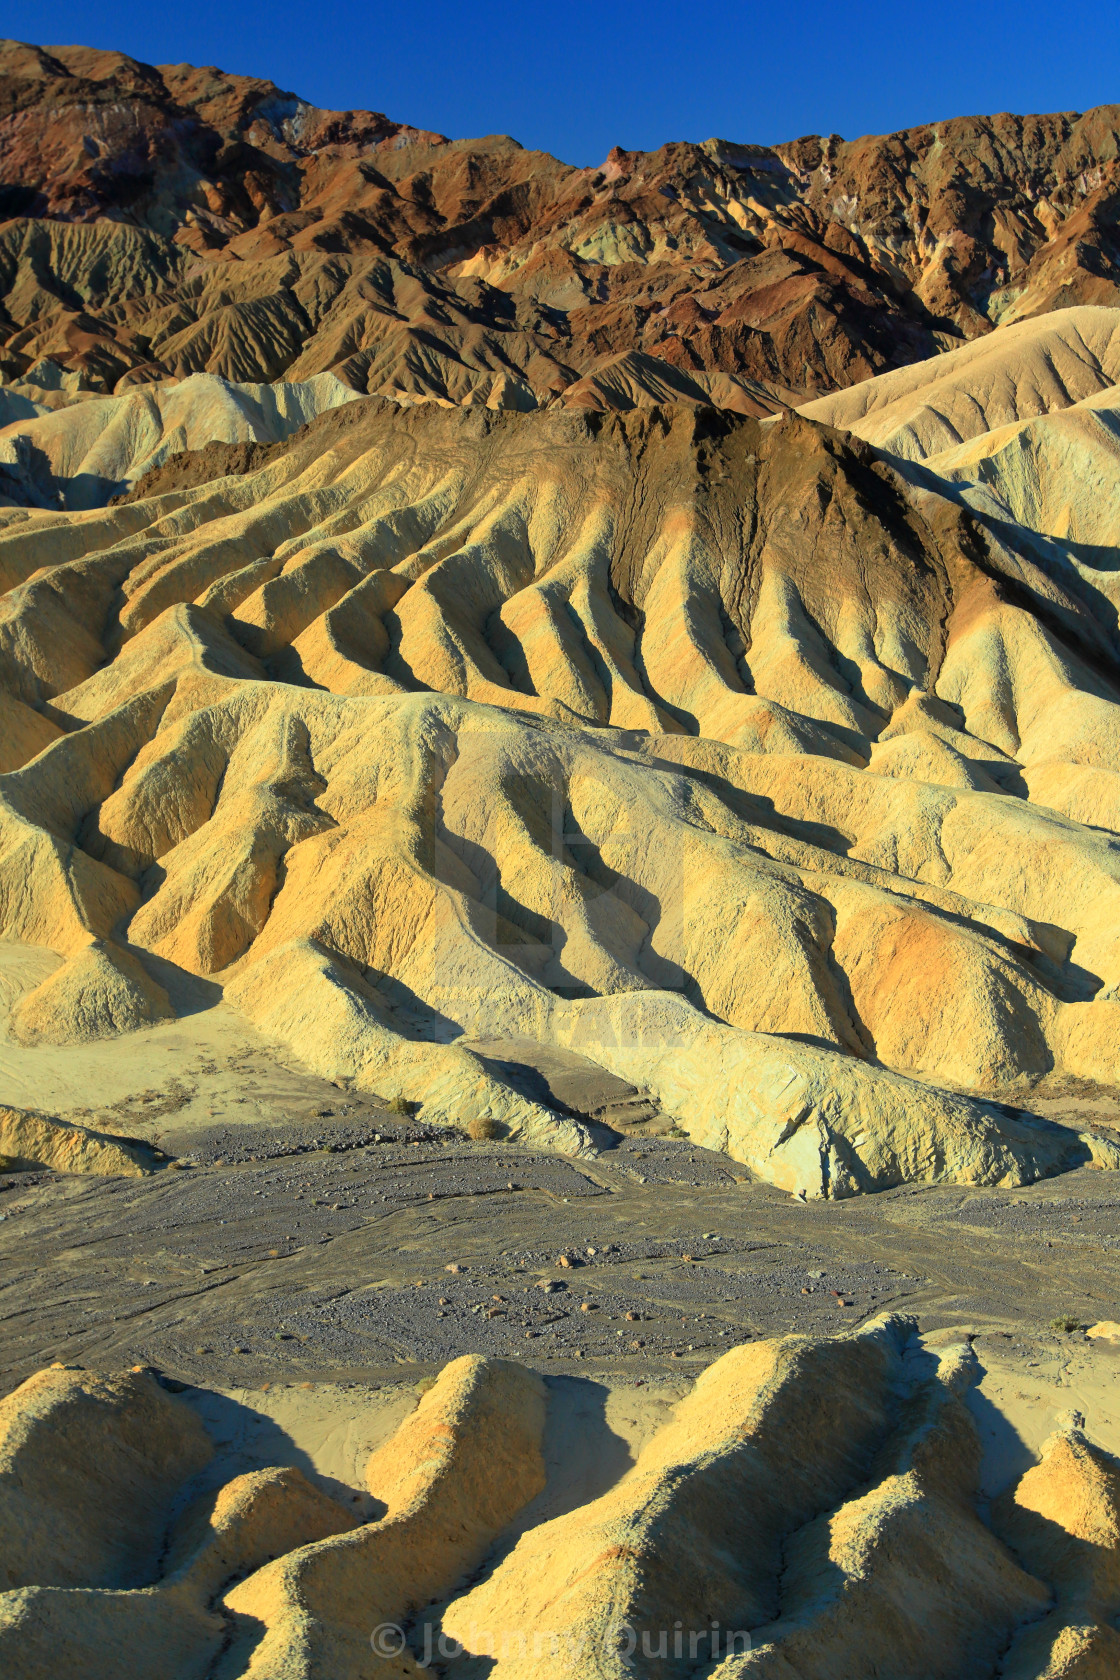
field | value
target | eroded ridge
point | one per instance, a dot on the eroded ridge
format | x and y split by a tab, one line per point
219	224
699	745
810	1508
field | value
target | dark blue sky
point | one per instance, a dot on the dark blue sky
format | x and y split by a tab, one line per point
576	79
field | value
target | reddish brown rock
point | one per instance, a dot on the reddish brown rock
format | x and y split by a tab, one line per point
170	220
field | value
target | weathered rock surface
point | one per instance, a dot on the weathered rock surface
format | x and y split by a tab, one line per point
554	648
455	1474
34	1140
1033	368
88	1468
1063	1521
84	454
810	1508
710	749
172	220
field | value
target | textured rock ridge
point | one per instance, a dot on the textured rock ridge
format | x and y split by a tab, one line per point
34	1140
809	1508
700	745
167	220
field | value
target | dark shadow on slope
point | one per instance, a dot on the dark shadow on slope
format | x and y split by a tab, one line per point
408	1013
586	856
528	938
508	654
286	666
190	994
247	1439
1006	1456
558	1078
759	810
1091	630
30	481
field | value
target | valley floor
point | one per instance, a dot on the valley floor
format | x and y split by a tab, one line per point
309	1241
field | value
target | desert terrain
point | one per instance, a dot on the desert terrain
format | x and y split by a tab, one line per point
559	896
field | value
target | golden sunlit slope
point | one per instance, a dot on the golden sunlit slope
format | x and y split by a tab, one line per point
810	1508
695	743
1034	367
1023	429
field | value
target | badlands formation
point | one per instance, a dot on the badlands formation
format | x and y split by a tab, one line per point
543	710
748	762
809	1509
172	220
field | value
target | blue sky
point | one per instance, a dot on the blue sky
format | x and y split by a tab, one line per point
576	79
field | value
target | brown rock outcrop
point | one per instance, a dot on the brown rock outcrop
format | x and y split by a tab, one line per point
170	220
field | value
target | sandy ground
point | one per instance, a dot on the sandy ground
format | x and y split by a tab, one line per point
594	1432
295	1281
598	1424
204	1068
1029	1389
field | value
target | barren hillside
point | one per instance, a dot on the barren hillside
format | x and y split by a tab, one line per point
559	896
172	220
774	781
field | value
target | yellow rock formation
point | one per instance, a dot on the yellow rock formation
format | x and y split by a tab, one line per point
810	1510
1033	367
80	454
33	1140
1063	1521
709	747
88	1465
455	1473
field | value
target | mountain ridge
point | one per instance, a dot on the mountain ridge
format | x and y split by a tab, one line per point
171	220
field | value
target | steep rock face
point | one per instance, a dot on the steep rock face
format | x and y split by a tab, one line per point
173	220
90	134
